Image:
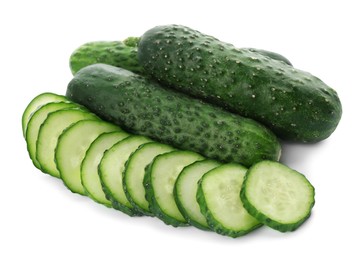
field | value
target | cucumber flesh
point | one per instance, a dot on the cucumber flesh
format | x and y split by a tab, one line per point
36	103
159	181
111	169
89	167
185	191
36	121
277	196
49	133
135	171
218	195
71	149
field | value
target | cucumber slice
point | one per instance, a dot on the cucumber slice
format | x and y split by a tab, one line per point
35	122
36	103
185	191
111	170
49	133
71	149
218	195
277	196
89	167
159	181
135	171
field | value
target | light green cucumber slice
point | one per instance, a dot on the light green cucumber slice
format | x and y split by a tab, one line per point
277	196
159	181
185	191
111	169
49	133
36	121
71	150
89	167
218	195
36	103
135	170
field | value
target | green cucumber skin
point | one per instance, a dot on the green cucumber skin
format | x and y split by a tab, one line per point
124	55
142	107
114	53
271	54
296	105
266	220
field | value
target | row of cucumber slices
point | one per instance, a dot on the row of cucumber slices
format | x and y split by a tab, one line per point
138	176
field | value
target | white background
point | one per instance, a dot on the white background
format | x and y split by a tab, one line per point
41	219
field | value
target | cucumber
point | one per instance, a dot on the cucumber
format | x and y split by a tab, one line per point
185	191
111	170
294	104
89	167
218	195
36	103
123	55
159	181
35	122
71	149
142	107
134	172
271	54
277	196
115	53
49	133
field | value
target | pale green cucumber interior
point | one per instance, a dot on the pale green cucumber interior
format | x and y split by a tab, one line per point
49	133
113	163
279	192
36	121
165	171
135	171
36	103
186	188
72	147
221	188
89	167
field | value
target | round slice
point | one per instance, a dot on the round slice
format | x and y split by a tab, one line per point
49	133
185	191
159	181
135	170
71	149
89	167
36	121
36	103
277	196
218	195
111	169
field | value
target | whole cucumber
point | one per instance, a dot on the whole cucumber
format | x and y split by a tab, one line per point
116	53
294	104
124	55
143	107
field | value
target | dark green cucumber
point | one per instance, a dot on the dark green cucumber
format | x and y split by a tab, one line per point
123	55
277	196
114	53
271	54
142	107
294	104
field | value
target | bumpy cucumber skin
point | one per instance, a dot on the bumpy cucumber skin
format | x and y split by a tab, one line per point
131	41
271	54
114	53
266	220
142	107
213	223
296	105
